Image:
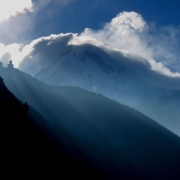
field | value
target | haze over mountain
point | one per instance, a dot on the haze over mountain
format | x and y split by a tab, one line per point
115	75
46	50
114	139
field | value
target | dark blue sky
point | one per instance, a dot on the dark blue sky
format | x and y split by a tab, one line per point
78	15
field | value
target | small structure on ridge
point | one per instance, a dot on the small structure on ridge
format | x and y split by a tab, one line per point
1	65
10	65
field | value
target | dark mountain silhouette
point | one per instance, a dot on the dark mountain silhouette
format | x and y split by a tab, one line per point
28	150
103	137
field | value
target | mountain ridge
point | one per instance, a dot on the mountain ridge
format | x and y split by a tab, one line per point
114	138
90	68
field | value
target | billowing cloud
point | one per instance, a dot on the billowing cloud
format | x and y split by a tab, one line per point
43	51
10	8
129	32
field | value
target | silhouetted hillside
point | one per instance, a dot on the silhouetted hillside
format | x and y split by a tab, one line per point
27	150
102	136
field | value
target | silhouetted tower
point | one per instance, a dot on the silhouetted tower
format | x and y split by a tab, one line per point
10	65
1	65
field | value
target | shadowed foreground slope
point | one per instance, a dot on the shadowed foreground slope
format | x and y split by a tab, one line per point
100	134
29	151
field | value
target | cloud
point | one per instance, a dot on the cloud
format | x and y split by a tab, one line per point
10	8
43	51
123	32
24	20
12	51
129	32
15	20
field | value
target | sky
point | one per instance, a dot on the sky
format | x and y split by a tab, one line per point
147	29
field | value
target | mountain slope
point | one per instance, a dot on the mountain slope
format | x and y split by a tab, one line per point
90	68
28	149
115	139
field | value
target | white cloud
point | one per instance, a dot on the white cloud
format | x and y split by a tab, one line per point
129	32
12	51
122	33
10	8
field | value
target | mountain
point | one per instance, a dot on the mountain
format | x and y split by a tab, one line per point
101	134
90	68
26	149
